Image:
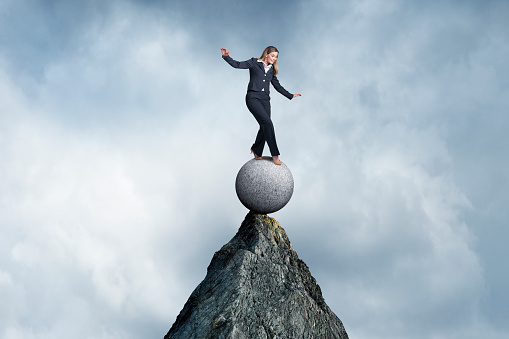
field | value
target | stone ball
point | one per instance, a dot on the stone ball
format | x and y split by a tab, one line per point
264	187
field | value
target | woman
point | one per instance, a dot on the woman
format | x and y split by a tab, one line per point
262	72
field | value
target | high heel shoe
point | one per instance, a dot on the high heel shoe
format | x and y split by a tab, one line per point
255	156
276	161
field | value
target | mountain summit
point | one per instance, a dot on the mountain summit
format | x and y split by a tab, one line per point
257	288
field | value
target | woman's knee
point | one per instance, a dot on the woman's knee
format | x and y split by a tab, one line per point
267	124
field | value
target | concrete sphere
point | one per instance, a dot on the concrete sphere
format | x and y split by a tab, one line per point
264	187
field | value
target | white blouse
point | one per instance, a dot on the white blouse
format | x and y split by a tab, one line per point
266	67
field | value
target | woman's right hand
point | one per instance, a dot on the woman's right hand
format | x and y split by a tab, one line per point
224	52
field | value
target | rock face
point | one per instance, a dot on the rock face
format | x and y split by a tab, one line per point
257	288
264	187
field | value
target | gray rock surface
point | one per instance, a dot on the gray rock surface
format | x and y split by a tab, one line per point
264	187
257	288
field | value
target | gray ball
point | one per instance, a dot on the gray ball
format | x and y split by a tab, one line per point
264	187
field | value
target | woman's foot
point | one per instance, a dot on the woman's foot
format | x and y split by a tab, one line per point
255	156
276	160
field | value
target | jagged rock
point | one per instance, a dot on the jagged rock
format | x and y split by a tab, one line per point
257	288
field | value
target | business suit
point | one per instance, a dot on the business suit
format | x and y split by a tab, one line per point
258	100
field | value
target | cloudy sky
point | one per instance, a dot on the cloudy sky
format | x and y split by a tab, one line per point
122	131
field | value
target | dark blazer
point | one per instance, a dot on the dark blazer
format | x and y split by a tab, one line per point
258	79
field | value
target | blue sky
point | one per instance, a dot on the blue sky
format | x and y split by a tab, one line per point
122	130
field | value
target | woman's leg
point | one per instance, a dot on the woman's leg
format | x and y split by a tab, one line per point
259	105
259	143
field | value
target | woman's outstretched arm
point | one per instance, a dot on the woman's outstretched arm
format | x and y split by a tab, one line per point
235	63
282	90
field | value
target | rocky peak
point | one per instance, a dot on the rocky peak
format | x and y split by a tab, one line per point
257	287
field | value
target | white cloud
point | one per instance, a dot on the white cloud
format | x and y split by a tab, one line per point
118	161
378	173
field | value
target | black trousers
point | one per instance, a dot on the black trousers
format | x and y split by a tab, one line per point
258	104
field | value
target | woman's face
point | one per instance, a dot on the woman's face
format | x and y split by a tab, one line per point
271	57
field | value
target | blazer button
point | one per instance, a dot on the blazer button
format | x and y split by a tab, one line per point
263	80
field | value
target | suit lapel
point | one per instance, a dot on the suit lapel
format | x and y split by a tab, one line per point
260	64
262	67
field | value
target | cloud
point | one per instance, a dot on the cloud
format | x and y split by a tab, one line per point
122	131
93	170
381	167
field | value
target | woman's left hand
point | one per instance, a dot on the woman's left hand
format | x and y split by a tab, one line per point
297	95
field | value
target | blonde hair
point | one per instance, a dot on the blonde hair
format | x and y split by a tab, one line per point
269	50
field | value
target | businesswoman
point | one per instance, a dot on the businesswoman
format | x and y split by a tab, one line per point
262	72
